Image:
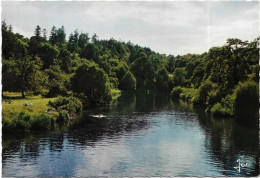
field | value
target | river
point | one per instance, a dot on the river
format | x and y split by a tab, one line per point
143	134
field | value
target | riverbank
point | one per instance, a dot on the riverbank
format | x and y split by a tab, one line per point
13	104
223	103
34	112
26	114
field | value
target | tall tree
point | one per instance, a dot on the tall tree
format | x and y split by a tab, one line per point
44	32
144	74
18	74
93	82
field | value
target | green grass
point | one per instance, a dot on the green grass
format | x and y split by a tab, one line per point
11	111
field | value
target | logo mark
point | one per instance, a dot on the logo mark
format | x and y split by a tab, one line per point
240	165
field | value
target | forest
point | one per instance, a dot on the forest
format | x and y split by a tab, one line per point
84	72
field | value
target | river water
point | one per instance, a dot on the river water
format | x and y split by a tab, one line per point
144	134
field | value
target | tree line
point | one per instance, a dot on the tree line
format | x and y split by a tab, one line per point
88	68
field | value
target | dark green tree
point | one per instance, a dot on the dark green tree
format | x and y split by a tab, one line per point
162	80
128	82
18	74
179	77
144	74
93	82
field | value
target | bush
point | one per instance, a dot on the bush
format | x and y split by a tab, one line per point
246	102
24	116
212	97
63	117
224	108
70	104
19	124
8	126
219	110
203	92
175	93
15	125
188	94
42	122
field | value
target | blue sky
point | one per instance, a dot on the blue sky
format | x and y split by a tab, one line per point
170	27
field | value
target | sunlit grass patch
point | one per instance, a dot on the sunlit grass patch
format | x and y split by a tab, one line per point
13	104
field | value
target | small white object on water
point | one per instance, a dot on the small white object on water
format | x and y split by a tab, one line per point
98	116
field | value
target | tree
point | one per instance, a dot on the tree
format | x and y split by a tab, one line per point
198	75
93	82
44	32
37	33
56	81
61	36
162	79
53	35
18	74
83	40
179	76
10	43
90	52
48	54
94	38
73	45
144	74
170	66
58	36
128	82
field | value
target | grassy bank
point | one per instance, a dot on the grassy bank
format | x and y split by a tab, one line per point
36	105
26	114
38	113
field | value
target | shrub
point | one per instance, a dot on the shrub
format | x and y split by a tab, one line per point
70	104
8	126
42	122
63	116
188	94
246	101
219	110
175	93
203	92
19	124
24	116
225	108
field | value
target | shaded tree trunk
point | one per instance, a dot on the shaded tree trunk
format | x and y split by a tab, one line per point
23	95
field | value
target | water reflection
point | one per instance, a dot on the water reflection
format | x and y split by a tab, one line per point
142	135
228	140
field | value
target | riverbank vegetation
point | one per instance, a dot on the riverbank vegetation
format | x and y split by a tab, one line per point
84	72
222	80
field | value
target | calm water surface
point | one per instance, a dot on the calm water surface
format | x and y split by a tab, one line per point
142	135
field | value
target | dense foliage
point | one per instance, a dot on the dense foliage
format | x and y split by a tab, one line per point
84	65
88	68
224	80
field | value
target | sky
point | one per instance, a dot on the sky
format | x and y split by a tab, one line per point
167	27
